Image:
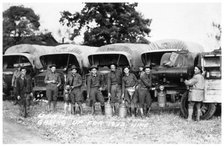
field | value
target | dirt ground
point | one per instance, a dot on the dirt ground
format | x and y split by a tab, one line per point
162	126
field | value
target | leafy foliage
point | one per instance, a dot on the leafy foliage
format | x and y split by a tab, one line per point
19	21
107	23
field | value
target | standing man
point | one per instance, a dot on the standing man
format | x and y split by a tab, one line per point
94	83
23	91
15	76
129	80
144	97
114	86
53	81
196	92
74	80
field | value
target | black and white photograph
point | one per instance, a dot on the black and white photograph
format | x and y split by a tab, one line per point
111	72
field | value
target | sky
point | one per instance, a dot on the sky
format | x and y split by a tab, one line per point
185	21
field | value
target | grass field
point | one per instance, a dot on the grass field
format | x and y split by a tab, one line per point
166	126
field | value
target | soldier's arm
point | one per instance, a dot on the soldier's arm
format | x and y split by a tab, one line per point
191	82
13	79
136	80
59	80
46	79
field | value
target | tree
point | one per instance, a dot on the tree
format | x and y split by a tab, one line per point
107	23
19	21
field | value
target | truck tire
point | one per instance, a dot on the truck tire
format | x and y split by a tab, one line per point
207	109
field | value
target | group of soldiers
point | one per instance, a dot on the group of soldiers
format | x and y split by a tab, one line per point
118	83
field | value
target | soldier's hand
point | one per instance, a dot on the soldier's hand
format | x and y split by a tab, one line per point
87	96
109	95
122	96
31	94
18	97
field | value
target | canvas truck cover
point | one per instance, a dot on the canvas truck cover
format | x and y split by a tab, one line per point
134	50
184	56
35	50
83	51
176	44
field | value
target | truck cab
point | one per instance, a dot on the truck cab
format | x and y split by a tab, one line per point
11	62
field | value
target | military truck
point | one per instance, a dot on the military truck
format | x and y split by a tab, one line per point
122	54
211	65
172	62
25	55
64	56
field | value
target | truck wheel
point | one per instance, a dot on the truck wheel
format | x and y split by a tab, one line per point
207	109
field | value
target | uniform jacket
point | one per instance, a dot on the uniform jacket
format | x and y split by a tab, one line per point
16	75
145	81
94	81
129	81
197	82
52	76
74	80
114	77
23	86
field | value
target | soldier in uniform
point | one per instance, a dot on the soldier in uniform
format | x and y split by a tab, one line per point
94	83
74	80
114	86
53	81
196	92
23	91
144	97
16	74
129	80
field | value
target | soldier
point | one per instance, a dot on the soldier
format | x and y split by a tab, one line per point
196	92
16	75
129	80
140	72
94	83
144	97
23	91
74	80
114	86
53	81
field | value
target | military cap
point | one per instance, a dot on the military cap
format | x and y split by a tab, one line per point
94	66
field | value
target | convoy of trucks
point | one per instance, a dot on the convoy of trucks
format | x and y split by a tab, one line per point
172	62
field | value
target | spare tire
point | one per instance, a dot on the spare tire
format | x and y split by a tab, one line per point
207	109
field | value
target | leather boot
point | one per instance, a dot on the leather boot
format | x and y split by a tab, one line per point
190	113
141	112
65	108
73	109
93	109
54	106
81	109
198	105
102	110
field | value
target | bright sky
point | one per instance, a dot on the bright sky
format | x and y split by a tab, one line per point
185	21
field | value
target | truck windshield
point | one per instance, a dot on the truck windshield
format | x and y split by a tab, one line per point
61	60
153	58
106	59
14	61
